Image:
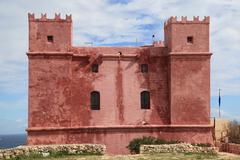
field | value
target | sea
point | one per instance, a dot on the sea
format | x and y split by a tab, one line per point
12	140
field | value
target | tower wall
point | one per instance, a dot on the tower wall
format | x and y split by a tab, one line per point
49	71
189	70
49	91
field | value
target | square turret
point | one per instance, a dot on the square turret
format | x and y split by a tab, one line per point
186	35
49	35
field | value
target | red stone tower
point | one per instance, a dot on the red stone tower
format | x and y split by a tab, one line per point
112	95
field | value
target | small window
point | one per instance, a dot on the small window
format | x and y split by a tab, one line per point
95	68
95	100
50	39
145	100
190	39
144	68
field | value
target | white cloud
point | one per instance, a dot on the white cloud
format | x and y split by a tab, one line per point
19	120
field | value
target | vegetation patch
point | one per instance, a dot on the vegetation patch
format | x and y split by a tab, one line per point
234	132
202	144
162	156
51	155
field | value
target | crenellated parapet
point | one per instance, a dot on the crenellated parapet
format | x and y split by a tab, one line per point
158	43
184	20
50	34
44	18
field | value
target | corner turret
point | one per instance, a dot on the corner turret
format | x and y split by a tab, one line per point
187	35
187	42
49	35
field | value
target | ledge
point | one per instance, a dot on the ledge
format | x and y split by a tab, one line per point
80	55
175	54
117	127
190	54
33	54
109	55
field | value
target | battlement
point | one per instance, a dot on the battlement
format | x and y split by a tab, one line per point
158	44
184	20
50	34
43	18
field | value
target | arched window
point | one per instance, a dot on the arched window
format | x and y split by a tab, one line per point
95	100
145	100
144	68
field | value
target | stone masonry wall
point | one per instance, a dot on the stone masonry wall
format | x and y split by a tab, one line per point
230	147
46	150
180	148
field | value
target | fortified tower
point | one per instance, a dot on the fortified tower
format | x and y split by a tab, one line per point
111	95
189	70
49	70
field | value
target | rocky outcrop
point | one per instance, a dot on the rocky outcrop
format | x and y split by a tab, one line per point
179	148
47	150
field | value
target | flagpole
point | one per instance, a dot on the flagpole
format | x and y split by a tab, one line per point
219	104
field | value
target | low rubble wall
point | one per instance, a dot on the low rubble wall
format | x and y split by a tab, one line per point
229	147
47	150
179	148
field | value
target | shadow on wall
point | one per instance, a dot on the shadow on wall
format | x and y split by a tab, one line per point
156	82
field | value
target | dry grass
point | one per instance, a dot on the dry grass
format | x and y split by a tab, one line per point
165	156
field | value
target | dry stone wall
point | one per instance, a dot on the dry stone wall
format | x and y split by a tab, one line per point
179	148
47	150
229	147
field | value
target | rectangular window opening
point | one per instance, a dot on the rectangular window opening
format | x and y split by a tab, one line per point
50	39
190	39
144	68
95	68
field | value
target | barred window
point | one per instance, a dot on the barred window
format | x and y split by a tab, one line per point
145	100
144	68
95	100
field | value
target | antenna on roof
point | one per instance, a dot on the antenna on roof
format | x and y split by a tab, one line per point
153	38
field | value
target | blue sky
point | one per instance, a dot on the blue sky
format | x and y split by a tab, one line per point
115	22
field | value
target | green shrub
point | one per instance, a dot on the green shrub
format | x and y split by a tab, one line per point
134	145
56	154
201	144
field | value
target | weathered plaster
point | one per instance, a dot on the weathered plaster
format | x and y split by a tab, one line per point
60	83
